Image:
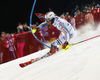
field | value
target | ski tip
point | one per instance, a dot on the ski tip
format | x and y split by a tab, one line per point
22	65
25	64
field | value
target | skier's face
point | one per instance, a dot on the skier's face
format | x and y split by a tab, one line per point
49	22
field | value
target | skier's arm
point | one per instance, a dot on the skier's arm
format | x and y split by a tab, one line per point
43	25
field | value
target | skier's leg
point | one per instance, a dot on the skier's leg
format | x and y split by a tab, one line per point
65	45
60	41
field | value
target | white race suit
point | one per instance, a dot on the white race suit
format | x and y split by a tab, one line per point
67	31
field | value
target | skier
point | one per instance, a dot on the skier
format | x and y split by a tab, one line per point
67	31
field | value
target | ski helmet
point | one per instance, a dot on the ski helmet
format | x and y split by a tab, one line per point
49	16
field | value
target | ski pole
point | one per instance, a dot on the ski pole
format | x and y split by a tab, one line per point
42	34
86	40
12	48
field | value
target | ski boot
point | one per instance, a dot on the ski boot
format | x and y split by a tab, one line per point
52	51
65	46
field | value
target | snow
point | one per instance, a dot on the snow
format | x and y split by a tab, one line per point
79	62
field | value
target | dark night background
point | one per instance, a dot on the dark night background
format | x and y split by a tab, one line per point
13	12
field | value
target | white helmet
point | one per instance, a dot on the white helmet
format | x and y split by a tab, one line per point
49	16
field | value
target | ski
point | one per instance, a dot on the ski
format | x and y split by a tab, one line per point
37	59
22	65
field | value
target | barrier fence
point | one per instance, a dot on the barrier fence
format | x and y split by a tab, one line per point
24	44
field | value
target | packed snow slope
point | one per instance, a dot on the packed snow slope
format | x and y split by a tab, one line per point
79	62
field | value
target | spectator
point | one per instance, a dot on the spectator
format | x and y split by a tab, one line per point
81	13
77	7
75	12
68	18
78	13
62	16
3	34
26	28
84	11
97	6
19	28
89	18
66	15
88	7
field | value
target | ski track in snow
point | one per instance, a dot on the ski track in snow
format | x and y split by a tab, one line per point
79	62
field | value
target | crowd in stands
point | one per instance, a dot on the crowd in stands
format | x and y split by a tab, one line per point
21	28
80	10
24	28
76	12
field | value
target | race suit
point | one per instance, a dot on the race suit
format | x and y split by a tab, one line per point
67	31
